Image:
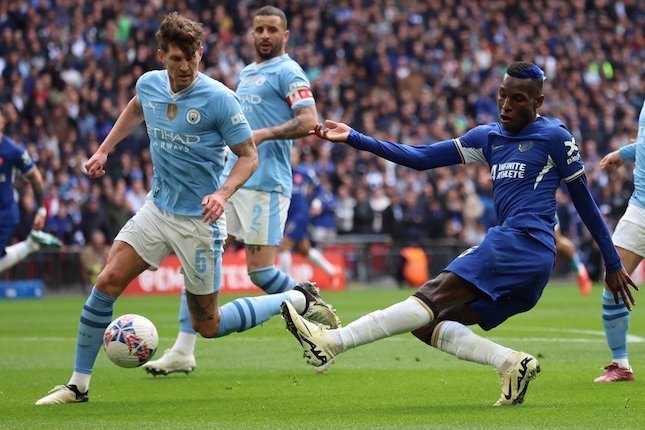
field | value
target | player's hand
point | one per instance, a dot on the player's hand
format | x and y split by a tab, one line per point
95	166
611	161
39	221
213	207
618	283
332	131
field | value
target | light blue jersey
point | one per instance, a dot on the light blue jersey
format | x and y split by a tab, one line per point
269	92
188	133
636	152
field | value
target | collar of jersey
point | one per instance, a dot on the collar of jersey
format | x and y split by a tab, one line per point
271	61
178	94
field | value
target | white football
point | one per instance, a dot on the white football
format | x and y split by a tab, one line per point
130	340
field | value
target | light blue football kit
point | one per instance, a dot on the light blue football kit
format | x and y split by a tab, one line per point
514	261
269	92
188	131
630	235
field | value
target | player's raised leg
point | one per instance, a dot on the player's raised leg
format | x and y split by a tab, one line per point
243	314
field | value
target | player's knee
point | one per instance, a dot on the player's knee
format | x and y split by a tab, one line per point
424	334
110	282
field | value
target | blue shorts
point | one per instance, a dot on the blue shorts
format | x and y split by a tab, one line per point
511	268
296	227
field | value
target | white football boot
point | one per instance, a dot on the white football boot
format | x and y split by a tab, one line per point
317	310
63	394
171	362
318	346
515	381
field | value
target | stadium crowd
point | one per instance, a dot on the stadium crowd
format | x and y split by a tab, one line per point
406	71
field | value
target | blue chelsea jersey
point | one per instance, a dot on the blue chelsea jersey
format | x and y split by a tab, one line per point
12	157
304	183
269	92
526	169
188	133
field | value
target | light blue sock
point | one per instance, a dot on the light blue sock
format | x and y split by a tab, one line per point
247	312
575	262
95	317
615	318
271	280
185	324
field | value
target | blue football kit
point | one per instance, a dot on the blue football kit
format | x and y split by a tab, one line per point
304	184
514	262
12	158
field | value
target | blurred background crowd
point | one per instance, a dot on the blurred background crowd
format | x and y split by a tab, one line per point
402	70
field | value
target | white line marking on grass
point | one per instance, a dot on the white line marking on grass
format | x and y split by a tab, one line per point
597	336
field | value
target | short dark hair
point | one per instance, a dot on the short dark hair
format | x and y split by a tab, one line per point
180	31
272	11
526	70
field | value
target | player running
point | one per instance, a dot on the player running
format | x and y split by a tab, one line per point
13	157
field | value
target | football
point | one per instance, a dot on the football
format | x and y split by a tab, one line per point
130	340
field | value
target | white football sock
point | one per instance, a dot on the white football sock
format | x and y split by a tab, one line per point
285	260
81	380
185	343
16	253
458	340
623	363
316	258
401	317
297	300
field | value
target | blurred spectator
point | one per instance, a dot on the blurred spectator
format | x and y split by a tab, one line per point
414	72
93	258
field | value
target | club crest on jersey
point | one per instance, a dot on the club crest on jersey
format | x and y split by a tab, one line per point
525	146
171	111
261	80
193	116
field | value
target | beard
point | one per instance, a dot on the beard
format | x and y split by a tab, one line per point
267	55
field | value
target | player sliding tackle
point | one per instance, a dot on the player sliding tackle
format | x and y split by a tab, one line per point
528	155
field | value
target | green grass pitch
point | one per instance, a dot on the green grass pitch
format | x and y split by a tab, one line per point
258	379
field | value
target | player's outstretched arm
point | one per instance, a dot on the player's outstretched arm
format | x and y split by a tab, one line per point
36	180
128	121
616	278
242	170
420	157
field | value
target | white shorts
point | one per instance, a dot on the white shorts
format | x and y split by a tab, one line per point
155	233
630	231
257	217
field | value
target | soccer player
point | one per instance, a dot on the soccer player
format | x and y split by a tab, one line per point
566	248
628	238
528	155
13	157
295	232
190	119
278	103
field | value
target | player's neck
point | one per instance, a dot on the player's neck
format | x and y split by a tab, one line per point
259	60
